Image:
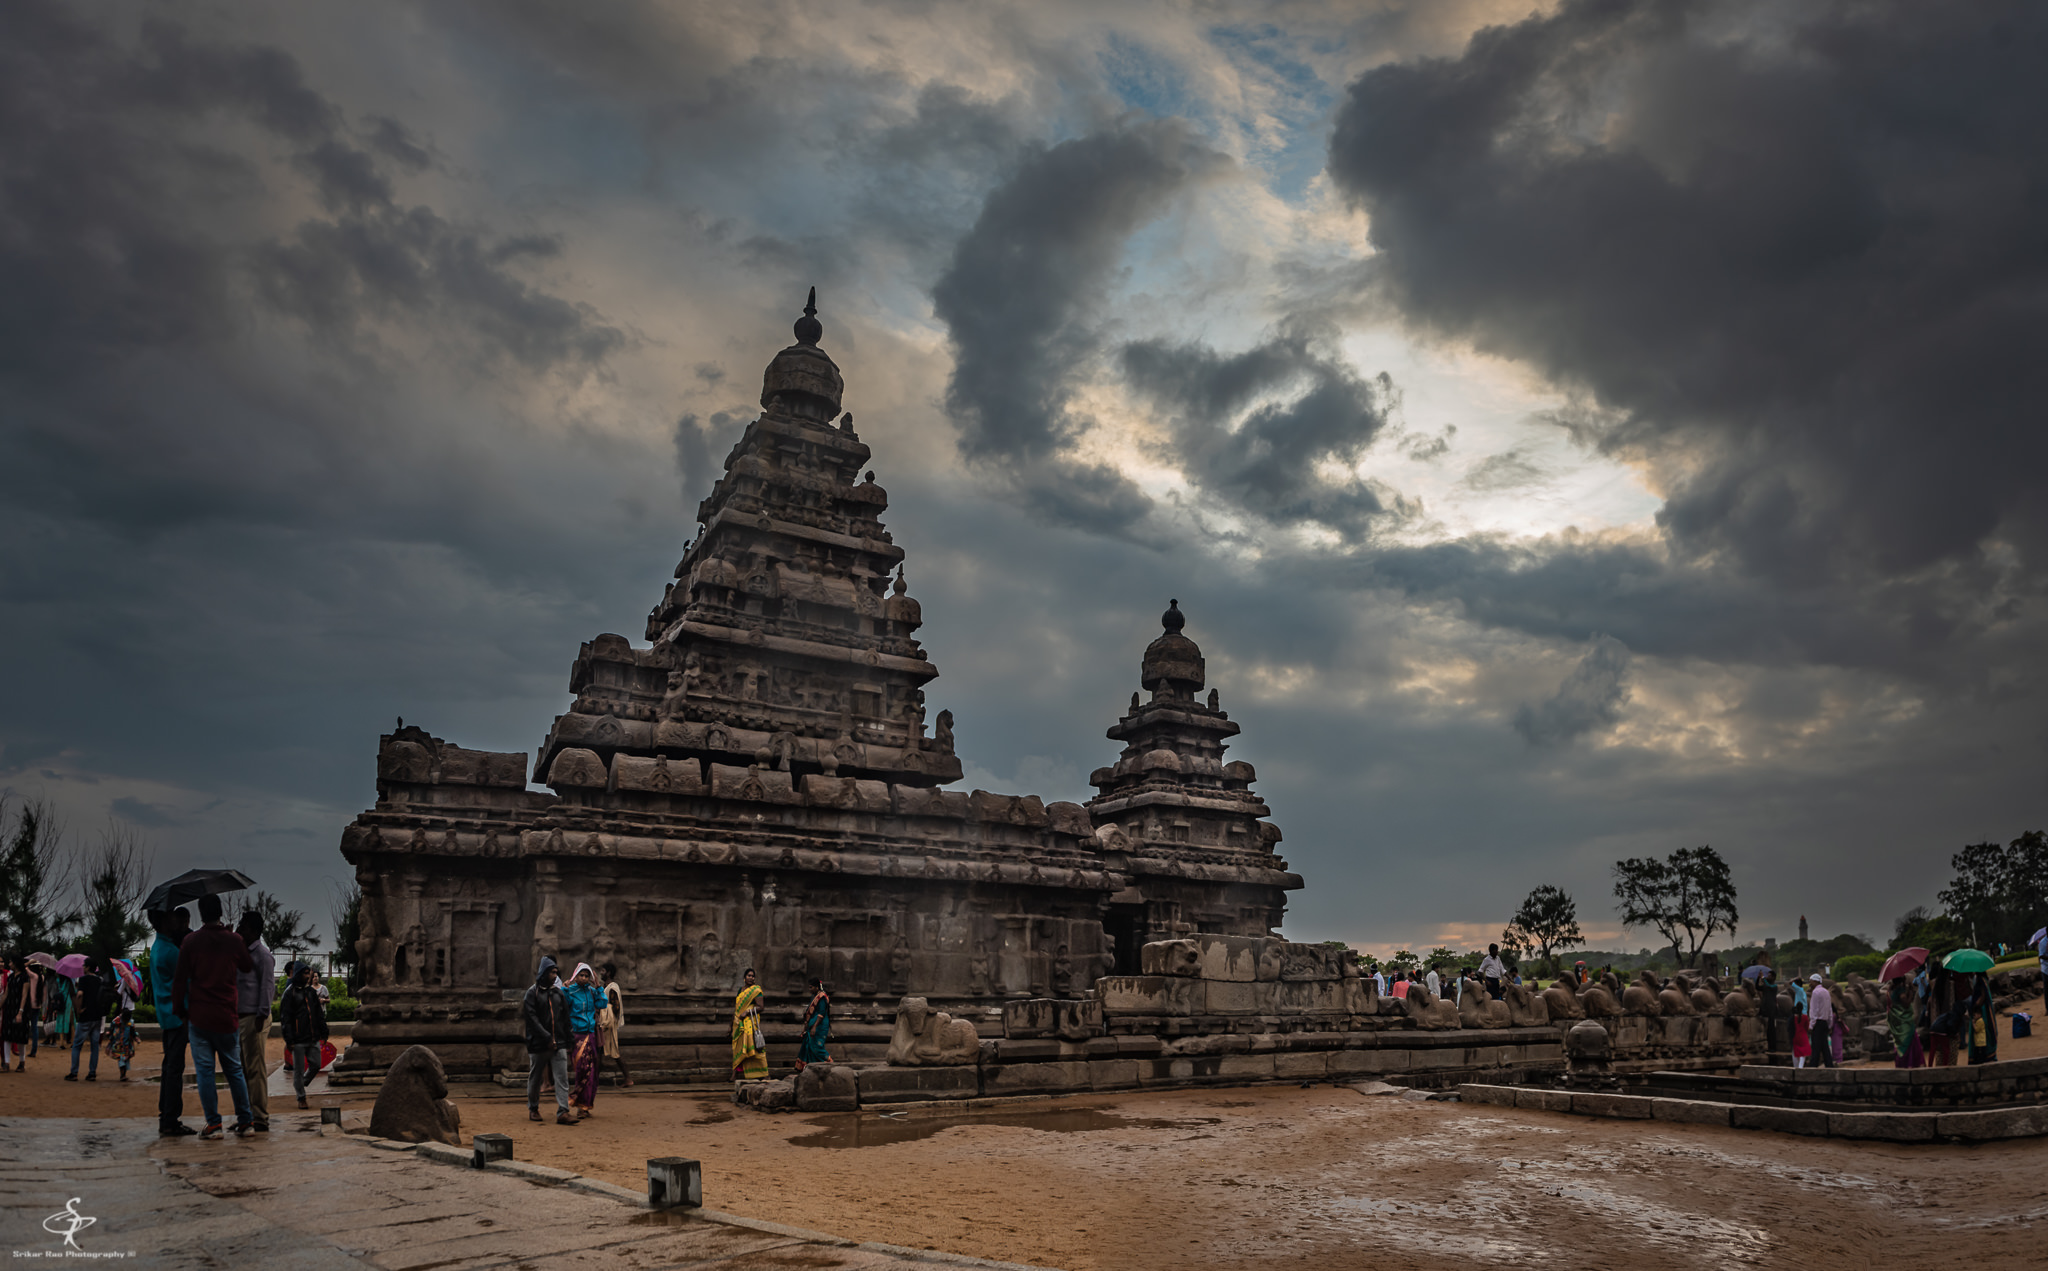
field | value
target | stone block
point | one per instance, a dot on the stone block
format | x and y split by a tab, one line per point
656	775
1307	1065
1246	1067
752	784
674	1182
1233	958
1140	1047
330	1116
1627	1107
771	1096
490	1147
827	1088
916	1085
1112	1074
1028	1048
1363	1061
1891	1127
1496	1096
576	766
1993	1123
1690	1111
1238	997
445	1154
1151	995
1032	1017
1540	1099
1044	1078
1809	1121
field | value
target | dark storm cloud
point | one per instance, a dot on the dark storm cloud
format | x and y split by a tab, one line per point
1256	428
1589	699
1794	251
1018	299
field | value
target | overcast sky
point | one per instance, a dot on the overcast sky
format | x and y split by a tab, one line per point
1571	436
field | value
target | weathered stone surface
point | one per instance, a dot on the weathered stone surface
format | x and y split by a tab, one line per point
1302	1066
827	1088
1497	1096
1994	1123
1691	1111
917	1085
1893	1127
413	1105
1807	1121
1542	1100
1037	1078
1630	1107
928	1038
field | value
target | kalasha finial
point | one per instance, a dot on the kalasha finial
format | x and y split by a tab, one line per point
1173	620
808	328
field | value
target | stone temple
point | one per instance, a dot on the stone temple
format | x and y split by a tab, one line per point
757	786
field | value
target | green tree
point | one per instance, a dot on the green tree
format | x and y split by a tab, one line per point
112	880
286	931
32	868
2000	893
1686	898
1548	922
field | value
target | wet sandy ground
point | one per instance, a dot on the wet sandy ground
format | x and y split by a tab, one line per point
1328	1178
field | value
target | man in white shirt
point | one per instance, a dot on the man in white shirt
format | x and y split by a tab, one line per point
1431	982
1820	1022
1379	982
1493	971
252	1007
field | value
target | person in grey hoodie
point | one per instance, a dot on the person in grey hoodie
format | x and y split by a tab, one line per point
546	1012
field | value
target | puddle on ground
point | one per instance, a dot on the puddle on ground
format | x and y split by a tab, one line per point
677	1217
881	1129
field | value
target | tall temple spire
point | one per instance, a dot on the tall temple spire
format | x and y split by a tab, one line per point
808	329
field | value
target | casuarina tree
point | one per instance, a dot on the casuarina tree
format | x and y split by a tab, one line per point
1686	898
32	915
111	881
1548	922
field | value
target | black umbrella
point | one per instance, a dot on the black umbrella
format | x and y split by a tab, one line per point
194	883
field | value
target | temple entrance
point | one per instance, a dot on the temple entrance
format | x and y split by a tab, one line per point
1126	927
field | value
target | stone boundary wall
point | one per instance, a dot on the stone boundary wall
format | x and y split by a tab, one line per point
1973	1126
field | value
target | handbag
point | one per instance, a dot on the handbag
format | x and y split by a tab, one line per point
328	1054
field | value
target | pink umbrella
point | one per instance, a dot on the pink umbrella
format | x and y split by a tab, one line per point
70	966
1904	962
131	976
43	959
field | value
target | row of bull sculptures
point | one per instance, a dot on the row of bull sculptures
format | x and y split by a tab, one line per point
1607	997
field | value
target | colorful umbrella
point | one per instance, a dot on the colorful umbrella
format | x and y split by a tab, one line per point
131	976
70	966
1968	961
2038	937
1904	962
43	959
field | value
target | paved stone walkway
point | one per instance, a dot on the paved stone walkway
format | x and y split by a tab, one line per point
297	1200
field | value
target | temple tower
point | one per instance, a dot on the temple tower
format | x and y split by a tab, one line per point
1179	822
784	641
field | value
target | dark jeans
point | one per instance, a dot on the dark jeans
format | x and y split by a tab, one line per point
88	1036
1820	1032
170	1096
1493	988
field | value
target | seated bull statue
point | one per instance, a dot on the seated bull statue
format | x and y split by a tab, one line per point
1672	1000
1526	1009
1640	998
413	1104
1562	1003
1706	997
1598	1002
1477	1010
925	1037
1741	1001
1425	1011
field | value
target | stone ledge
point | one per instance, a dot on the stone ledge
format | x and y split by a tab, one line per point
1806	1121
1633	1107
1993	1123
1691	1111
1890	1127
1498	1096
447	1155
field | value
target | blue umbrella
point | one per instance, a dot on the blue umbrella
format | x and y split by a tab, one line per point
1754	972
2038	937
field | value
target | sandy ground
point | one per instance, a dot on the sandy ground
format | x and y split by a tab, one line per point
41	1091
1281	1177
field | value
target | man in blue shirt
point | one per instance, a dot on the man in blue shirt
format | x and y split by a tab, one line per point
171	929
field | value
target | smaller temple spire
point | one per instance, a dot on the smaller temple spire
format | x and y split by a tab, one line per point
808	329
1173	619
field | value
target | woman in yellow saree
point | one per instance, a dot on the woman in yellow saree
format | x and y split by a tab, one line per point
749	1047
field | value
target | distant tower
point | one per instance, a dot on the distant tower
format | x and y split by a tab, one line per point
1802	926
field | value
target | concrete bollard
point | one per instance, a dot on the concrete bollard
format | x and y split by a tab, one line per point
330	1116
492	1147
674	1181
